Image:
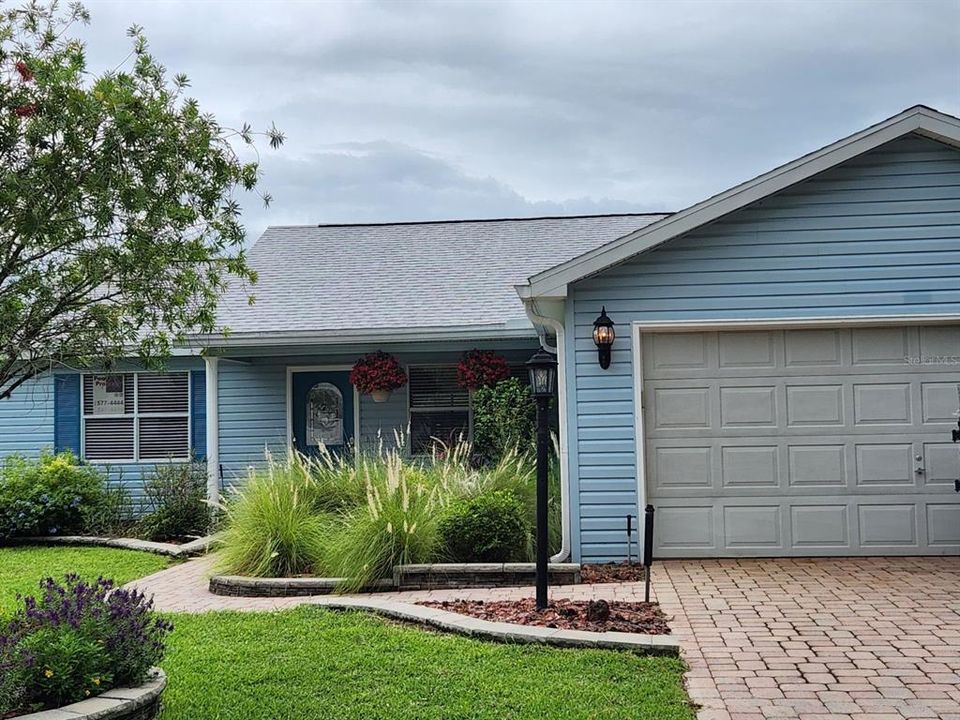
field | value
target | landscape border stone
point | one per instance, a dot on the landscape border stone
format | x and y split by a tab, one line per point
405	577
507	632
190	549
139	703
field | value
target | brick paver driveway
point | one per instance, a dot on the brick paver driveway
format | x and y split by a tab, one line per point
870	639
875	638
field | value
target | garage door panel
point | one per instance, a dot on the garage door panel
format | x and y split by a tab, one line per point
751	466
820	526
806	348
943	525
880	346
814	405
803	442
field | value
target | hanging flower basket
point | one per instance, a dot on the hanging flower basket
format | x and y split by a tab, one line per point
481	368
377	375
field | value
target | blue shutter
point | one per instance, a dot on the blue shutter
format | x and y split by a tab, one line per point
66	413
198	413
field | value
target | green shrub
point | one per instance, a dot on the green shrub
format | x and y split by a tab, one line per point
504	419
114	515
48	495
273	527
491	527
177	500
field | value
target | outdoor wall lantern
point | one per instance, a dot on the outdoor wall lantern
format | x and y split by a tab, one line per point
603	337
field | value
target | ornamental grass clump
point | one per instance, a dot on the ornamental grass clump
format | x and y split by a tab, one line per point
277	524
75	640
395	525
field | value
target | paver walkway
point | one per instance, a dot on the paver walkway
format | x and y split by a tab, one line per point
837	639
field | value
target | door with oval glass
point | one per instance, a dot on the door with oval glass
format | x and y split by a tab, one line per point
322	411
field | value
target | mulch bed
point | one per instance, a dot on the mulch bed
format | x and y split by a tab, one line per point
591	615
611	573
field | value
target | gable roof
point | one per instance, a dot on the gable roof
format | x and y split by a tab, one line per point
334	283
919	119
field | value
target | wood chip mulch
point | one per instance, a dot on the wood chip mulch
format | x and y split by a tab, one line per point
591	615
611	573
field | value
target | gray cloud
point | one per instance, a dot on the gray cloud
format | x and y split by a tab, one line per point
404	110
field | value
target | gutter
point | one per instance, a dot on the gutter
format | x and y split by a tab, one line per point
530	305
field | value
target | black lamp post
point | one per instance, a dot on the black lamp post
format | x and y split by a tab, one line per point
543	384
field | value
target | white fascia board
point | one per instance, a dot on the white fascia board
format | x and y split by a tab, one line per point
340	337
921	120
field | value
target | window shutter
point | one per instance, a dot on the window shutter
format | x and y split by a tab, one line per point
108	438
436	387
164	437
66	413
198	413
162	393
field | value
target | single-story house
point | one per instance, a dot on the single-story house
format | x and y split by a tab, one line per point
783	381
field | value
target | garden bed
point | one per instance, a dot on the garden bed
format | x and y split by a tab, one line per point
139	703
612	573
588	615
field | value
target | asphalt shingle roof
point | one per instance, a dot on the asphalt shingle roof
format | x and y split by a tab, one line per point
407	275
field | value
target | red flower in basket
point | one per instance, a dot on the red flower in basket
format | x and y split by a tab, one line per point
377	374
481	368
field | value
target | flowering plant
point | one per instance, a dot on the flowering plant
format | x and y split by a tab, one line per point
377	371
481	368
75	640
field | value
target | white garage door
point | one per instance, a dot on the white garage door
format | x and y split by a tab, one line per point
803	442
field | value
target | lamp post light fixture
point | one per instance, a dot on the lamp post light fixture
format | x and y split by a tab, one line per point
603	337
543	384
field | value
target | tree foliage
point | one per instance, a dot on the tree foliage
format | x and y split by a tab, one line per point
119	223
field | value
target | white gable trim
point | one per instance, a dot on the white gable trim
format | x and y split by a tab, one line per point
921	120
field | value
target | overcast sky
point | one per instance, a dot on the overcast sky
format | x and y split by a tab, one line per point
418	111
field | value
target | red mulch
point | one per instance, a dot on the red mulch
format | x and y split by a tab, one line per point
631	617
611	573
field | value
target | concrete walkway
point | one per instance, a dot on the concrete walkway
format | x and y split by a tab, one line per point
838	639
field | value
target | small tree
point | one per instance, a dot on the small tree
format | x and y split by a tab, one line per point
118	222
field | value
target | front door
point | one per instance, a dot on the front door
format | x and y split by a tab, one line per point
322	411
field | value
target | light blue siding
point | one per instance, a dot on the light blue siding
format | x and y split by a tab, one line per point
253	416
878	235
26	418
44	414
253	400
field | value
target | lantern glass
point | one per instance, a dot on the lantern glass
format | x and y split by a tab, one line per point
542	368
604	335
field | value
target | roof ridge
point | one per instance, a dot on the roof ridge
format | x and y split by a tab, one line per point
475	220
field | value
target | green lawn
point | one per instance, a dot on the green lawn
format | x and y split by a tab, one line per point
22	568
312	663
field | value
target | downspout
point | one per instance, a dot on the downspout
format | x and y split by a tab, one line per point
213	427
557	327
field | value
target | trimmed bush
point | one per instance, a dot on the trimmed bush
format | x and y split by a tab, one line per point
51	495
491	527
177	497
74	641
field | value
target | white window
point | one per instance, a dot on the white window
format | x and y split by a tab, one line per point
136	417
439	408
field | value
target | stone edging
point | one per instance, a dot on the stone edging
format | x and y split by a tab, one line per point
405	577
507	632
244	586
190	549
139	703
